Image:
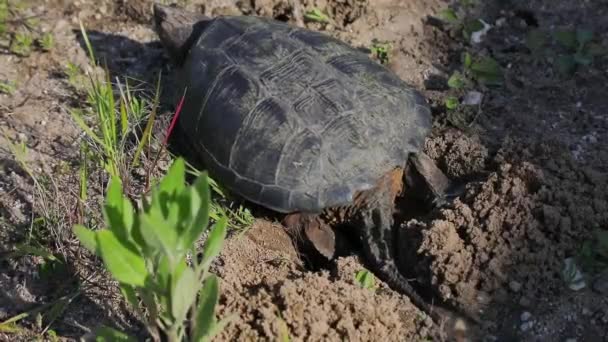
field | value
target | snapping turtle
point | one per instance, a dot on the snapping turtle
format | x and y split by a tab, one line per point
303	124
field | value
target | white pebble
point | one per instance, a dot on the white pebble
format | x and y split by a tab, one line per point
525	316
515	286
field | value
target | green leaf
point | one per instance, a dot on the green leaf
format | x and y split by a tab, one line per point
471	26
566	64
583	59
200	199
456	81
486	70
365	279
536	40
566	38
451	102
172	184
174	181
316	15
583	36
467	60
183	294
87	238
449	15
486	65
129	293
118	212
205	314
125	266
595	49
107	334
213	245
602	242
159	234
41	252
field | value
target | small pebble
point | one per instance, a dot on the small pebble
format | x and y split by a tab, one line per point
600	284
515	286
22	137
525	301
525	316
472	98
586	312
526	326
570	340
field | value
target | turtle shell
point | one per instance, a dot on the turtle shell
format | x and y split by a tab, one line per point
292	119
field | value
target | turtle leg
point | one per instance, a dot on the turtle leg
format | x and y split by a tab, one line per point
318	232
427	182
376	208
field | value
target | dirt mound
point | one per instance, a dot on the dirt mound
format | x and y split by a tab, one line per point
264	284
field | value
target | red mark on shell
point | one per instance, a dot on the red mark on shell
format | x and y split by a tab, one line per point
174	120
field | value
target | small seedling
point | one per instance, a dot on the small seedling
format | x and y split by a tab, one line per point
146	252
365	279
451	102
580	49
593	254
7	87
381	50
457	80
47	41
316	15
22	45
578	46
460	23
485	69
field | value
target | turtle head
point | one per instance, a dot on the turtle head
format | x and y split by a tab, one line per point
177	29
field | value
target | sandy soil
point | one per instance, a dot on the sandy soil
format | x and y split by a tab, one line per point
532	157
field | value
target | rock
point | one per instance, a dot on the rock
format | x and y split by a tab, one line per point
515	286
472	98
572	275
525	316
525	301
477	36
600	284
501	21
526	326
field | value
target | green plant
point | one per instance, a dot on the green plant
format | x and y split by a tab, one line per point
114	119
578	48
240	218
593	254
460	23
22	44
146	252
316	15
365	279
381	50
484	69
47	41
451	102
580	51
7	87
18	31
457	80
